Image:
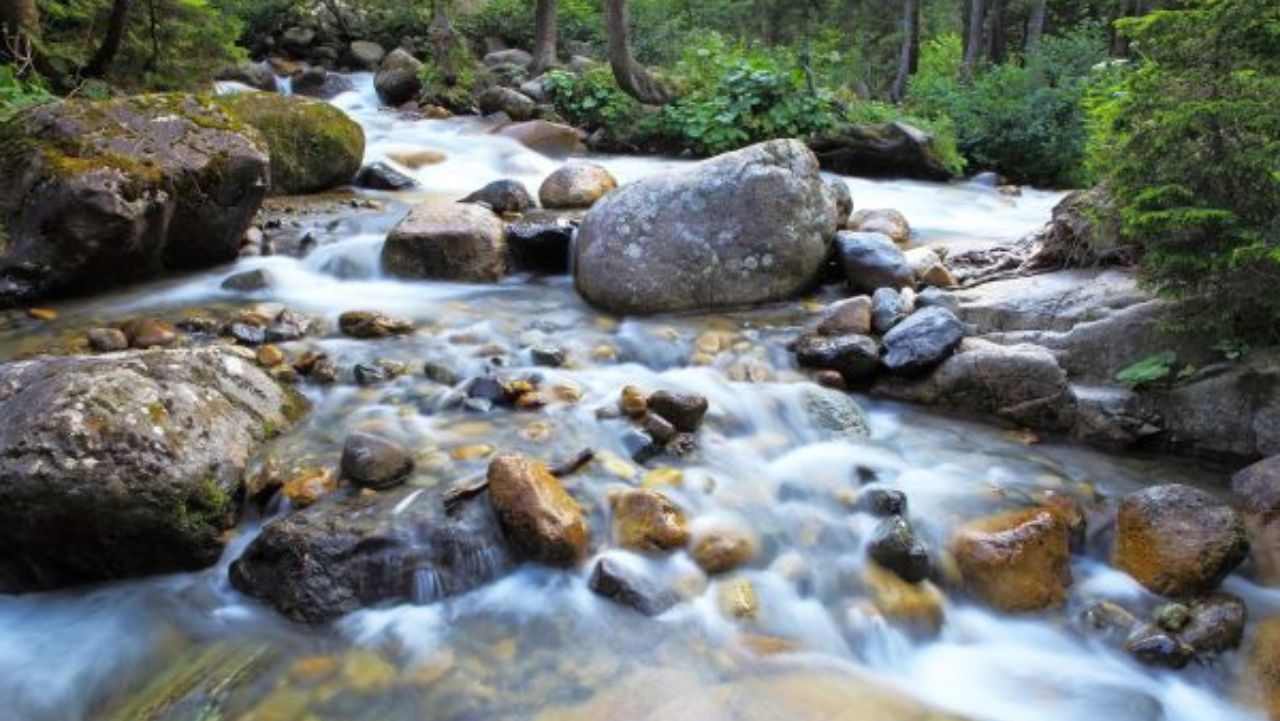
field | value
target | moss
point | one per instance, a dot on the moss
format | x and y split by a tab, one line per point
157	413
209	506
313	145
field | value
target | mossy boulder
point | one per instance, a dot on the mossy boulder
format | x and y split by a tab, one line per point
313	145
97	194
127	465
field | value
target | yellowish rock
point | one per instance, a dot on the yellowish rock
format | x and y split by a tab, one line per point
647	521
567	392
738	599
314	669
617	467
721	549
604	353
471	453
537	432
367	672
633	402
46	315
310	486
270	356
663	478
917	606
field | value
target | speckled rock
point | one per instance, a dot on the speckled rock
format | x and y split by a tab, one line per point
126	465
447	241
98	194
750	226
871	261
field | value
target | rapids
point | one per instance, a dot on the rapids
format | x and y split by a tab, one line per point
539	644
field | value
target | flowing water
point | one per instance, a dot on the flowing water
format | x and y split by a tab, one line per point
538	643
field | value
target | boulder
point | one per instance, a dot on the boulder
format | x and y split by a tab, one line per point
871	261
1177	541
647	521
746	227
447	241
840	197
1022	384
1257	491
576	184
258	76
1016	561
503	197
381	176
517	106
847	316
347	553
552	139
894	150
375	463
884	221
98	194
922	341
512	56
298	38
537	514
365	55
316	82
852	356
314	146
540	241
398	80
129	464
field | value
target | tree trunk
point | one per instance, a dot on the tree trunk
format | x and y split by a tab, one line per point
116	25
19	25
544	48
996	38
909	57
632	77
1035	26
974	36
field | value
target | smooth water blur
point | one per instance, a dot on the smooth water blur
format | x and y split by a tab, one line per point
539	644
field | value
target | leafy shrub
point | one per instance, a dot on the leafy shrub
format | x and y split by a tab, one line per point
580	24
1023	120
17	92
1188	142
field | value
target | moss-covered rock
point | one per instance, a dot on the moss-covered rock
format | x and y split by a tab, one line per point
313	145
95	194
129	464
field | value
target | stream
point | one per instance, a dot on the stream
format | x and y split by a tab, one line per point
538	644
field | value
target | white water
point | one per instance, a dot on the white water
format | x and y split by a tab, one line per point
772	470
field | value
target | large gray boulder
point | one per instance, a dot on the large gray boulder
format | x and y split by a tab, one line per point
365	55
97	194
126	465
447	241
344	554
398	80
751	226
516	105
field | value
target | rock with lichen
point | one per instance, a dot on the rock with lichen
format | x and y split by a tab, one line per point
98	194
127	465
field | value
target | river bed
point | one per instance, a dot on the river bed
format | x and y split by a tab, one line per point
538	644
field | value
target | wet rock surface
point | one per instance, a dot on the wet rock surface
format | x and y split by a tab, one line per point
129	464
447	241
1017	561
538	515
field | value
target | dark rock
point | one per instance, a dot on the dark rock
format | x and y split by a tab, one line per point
541	243
344	554
895	546
365	55
398	80
871	261
488	389
515	104
1153	647
882	502
1109	620
372	374
447	241
126	465
89	192
853	356
643	249
548	357
622	585
922	341
316	82
373	462
888	308
847	316
440	374
1178	541
258	76
298	38
250	281
894	150
685	411
641	446
503	197
1216	624
658	428
381	176
107	340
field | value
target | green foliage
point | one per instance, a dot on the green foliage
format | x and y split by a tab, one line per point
591	100
1022	119
580	24
18	92
1161	367
1188	140
941	128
